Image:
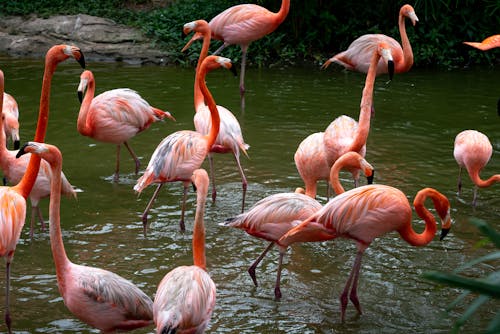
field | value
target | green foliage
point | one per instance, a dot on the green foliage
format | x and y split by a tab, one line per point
313	31
487	287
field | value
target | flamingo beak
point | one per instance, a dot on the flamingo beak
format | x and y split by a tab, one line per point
81	59
80	96
369	179
390	68
444	232
22	151
17	144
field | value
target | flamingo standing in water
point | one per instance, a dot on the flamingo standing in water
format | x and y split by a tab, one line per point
473	150
115	116
488	43
230	138
180	153
365	213
185	297
344	134
357	56
273	216
13	199
243	24
10	114
98	297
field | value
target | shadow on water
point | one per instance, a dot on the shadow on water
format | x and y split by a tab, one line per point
417	116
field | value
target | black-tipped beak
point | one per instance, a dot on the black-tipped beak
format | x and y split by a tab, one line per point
233	70
444	232
81	60
21	151
194	186
390	68
80	96
369	179
17	144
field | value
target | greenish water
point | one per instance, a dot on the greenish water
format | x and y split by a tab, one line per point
417	117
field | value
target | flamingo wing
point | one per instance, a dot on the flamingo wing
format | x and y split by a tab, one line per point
12	216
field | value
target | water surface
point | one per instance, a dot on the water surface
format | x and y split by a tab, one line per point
417	117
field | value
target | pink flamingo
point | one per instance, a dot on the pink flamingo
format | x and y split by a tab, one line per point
100	298
273	216
230	138
115	116
384	209
344	134
357	56
473	150
180	153
185	297
10	112
488	43
243	24
13	199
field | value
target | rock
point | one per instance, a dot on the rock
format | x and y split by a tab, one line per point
100	39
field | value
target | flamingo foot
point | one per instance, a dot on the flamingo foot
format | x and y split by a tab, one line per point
145	223
8	322
116	177
343	305
354	299
214	194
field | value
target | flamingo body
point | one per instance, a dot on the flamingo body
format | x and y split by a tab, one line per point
365	213
98	297
10	113
358	54
488	43
114	116
473	150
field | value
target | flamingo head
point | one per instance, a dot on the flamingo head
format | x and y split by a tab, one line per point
200	27
11	127
385	53
409	12
48	152
62	52
442	205
213	62
368	170
85	78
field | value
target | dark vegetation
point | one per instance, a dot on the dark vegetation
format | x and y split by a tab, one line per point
313	31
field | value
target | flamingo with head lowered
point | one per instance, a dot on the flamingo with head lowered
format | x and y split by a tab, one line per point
364	214
114	116
473	150
13	199
230	137
358	54
273	216
180	153
10	114
98	297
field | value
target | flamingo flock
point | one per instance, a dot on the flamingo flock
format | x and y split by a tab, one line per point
185	298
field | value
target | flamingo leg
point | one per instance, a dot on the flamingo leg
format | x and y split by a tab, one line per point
343	297
148	207
353	296
8	321
116	177
36	213
277	290
474	198
134	156
459	183
212	175
244	182
220	49
251	269
182	226
242	74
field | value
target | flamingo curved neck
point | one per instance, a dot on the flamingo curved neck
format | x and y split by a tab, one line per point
405	43
28	180
484	183
56	241
424	238
199	100
199	258
82	125
366	106
283	12
209	100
